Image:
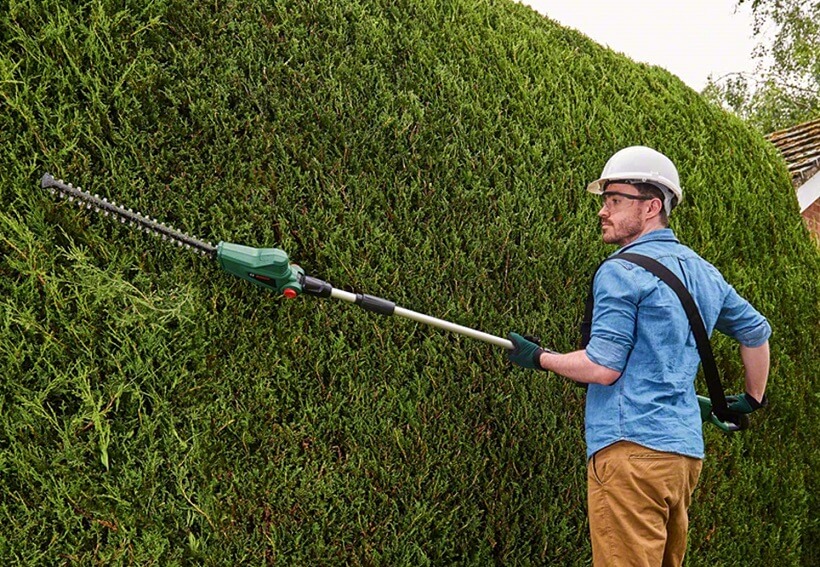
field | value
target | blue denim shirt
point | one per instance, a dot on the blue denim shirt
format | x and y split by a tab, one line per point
639	328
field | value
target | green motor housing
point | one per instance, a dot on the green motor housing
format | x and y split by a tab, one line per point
266	267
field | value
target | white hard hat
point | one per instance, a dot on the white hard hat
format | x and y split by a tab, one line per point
639	164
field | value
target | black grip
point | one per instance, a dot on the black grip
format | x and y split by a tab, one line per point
375	304
316	287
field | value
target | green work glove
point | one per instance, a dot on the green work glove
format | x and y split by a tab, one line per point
706	415
744	403
525	352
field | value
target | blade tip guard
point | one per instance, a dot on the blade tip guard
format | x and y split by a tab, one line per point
46	181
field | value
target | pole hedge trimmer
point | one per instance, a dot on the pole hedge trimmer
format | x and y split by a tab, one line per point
271	268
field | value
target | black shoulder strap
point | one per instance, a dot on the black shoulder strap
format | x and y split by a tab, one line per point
586	324
707	357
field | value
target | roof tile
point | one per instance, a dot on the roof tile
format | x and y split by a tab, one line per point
800	146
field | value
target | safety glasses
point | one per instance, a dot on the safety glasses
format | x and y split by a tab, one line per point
614	200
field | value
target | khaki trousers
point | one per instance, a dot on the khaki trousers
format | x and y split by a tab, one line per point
637	502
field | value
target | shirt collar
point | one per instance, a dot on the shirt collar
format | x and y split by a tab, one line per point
661	234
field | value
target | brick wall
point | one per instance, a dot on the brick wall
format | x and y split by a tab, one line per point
812	218
812	214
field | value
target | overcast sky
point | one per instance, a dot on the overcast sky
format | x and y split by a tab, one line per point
690	38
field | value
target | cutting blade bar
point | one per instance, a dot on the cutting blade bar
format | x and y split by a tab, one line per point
106	207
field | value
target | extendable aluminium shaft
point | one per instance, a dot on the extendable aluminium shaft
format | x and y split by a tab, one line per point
319	288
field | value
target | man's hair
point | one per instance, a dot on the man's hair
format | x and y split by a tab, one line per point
649	190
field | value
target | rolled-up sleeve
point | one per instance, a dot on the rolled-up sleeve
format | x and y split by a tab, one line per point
741	321
612	334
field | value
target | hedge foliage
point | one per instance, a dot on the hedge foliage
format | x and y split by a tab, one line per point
156	411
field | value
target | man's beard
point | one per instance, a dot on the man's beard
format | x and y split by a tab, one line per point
624	232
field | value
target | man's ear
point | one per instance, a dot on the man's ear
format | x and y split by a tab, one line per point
655	207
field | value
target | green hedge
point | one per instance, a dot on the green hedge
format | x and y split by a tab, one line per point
154	410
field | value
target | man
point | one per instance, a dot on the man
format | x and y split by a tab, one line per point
643	423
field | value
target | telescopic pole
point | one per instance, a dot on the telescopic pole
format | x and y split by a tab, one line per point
319	288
